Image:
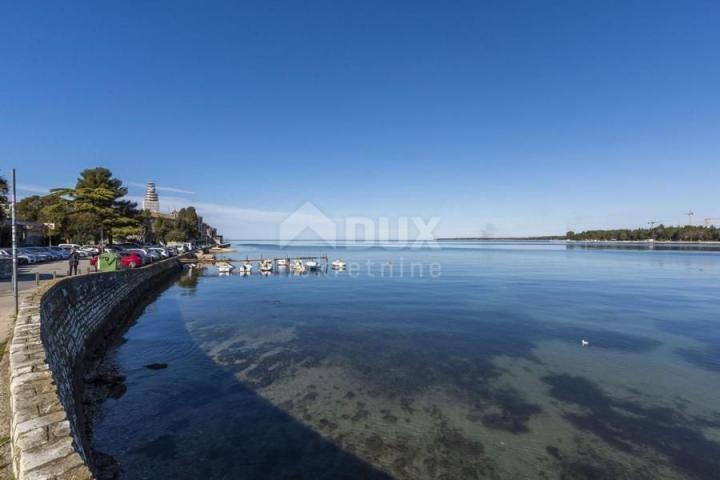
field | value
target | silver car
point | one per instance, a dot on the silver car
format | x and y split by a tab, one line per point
23	258
39	253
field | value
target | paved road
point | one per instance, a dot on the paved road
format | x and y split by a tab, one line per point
27	283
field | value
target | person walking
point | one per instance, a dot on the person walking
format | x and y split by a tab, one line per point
73	261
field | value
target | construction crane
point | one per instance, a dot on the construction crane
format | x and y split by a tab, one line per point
709	221
690	215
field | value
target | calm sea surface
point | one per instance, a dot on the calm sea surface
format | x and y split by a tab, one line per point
459	362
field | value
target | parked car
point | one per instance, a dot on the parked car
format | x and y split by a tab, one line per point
42	254
144	254
48	254
54	254
69	246
90	250
160	251
22	259
32	258
63	252
131	259
127	245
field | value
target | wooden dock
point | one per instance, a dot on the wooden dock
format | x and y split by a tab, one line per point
258	260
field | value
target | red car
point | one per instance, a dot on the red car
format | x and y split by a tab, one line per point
131	260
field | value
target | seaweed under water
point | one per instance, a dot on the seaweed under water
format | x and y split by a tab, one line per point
479	374
631	427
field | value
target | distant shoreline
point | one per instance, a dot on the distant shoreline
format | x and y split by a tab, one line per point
507	239
591	242
477	239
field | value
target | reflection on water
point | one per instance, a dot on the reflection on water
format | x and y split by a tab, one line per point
477	373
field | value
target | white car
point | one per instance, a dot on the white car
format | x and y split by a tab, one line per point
161	251
23	258
89	250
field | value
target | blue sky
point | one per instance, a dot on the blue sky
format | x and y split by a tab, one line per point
498	117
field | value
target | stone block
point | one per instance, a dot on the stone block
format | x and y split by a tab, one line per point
46	454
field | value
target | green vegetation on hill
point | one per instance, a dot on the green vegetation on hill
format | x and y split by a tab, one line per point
687	233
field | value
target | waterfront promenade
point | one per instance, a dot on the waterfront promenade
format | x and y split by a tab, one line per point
27	276
27	281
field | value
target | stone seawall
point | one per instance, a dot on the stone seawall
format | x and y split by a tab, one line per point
56	330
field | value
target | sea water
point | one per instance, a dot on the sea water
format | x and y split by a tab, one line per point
463	361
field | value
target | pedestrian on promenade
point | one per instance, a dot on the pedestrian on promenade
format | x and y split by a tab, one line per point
73	261
95	260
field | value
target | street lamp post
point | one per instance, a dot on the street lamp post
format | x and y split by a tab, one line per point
14	244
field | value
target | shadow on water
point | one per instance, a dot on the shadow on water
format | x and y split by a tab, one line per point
194	419
631	427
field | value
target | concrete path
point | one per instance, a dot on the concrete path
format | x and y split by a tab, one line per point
27	283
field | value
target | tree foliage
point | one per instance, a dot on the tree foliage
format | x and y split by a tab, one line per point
685	233
96	208
187	222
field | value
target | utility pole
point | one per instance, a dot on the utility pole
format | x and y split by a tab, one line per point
15	285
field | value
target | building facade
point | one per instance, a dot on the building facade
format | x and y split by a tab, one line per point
151	202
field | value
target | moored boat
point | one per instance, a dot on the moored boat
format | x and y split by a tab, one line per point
266	265
312	265
338	264
224	267
298	266
247	267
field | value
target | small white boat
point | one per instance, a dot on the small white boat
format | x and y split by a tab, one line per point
266	265
298	266
281	262
247	267
338	264
312	265
224	267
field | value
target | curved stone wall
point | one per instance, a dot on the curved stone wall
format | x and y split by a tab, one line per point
55	331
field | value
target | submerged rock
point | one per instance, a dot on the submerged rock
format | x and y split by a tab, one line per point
156	366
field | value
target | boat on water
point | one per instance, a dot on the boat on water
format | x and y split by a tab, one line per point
312	265
282	262
224	267
247	267
266	265
339	264
298	266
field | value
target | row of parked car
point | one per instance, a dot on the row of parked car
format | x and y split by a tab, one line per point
133	254
31	255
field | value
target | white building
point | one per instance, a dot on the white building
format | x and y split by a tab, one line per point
152	201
